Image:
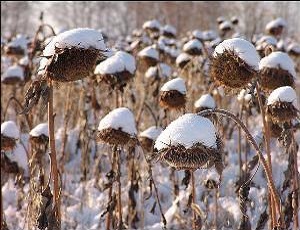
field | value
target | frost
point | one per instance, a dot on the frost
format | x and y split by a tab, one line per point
175	84
120	118
188	130
278	59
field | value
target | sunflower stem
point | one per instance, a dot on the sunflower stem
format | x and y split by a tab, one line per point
54	170
263	161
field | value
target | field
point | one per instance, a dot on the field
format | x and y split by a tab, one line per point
161	119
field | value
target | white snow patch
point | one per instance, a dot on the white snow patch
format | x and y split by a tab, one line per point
152	24
205	100
197	34
192	44
225	25
188	130
294	47
244	96
13	71
231	205
182	58
152	132
40	129
10	129
81	38
149	52
170	29
175	84
268	40
278	22
119	62
244	49
120	118
283	94
24	61
19	41
209	35
278	59
165	69
19	156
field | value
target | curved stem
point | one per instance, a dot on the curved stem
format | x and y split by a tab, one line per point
29	123
268	150
250	138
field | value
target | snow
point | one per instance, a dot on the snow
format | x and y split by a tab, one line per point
81	38
278	59
152	132
197	34
221	19
268	40
149	52
120	118
152	71
276	23
244	96
225	25
172	51
205	100
40	129
170	29
209	35
175	84
193	44
187	130
234	18
19	156
295	47
24	61
13	71
19	41
182	57
212	174
244	49
10	129
232	206
119	62
152	24
284	94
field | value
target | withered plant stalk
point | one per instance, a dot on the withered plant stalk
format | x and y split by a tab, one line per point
268	151
54	170
263	161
